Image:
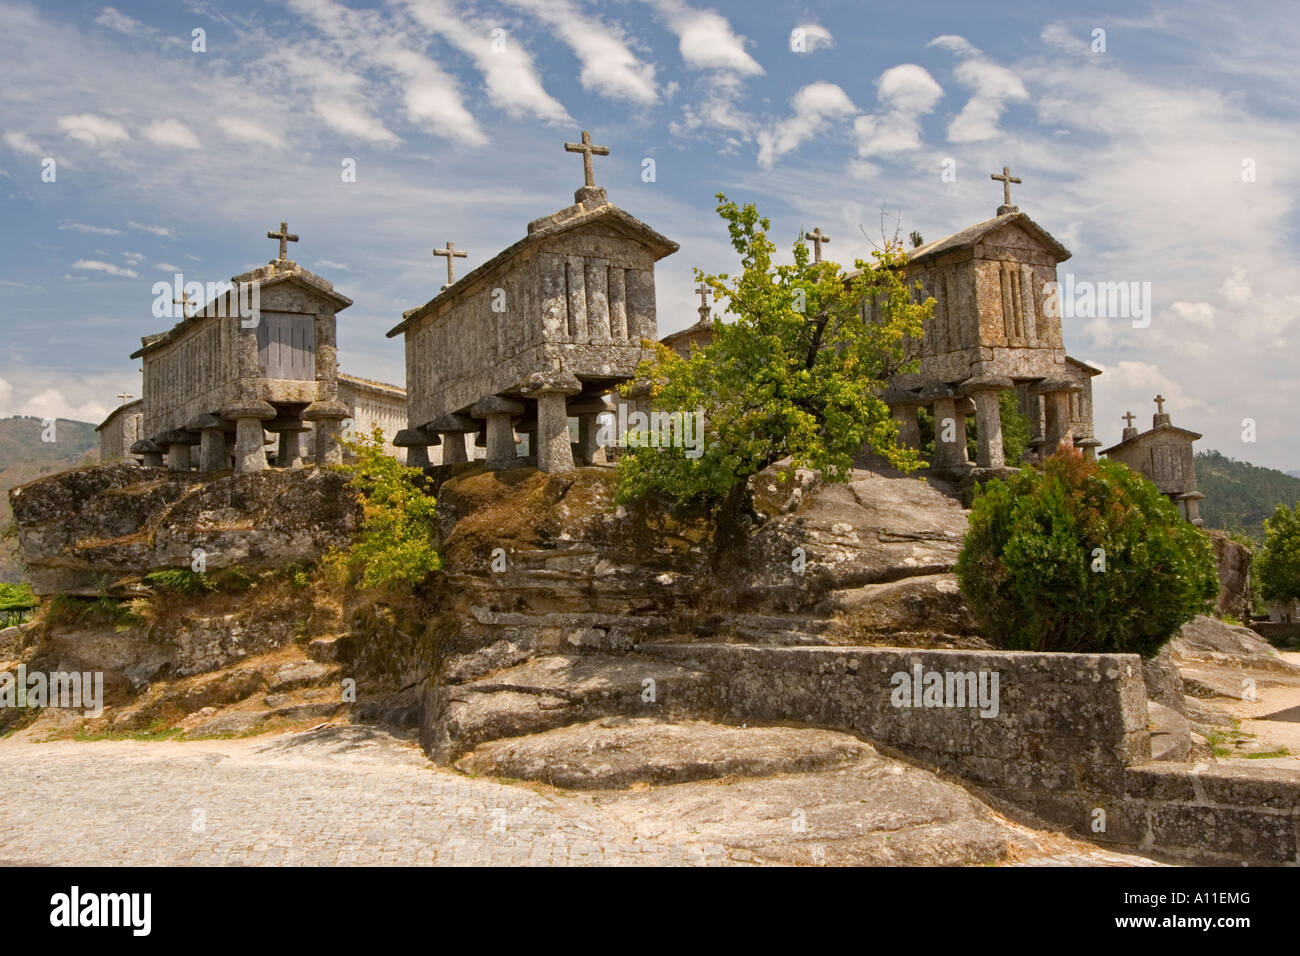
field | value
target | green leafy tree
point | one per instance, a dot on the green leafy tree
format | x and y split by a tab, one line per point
796	372
1082	556
396	540
1278	562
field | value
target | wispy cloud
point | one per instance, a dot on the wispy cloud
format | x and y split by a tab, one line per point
95	265
815	37
20	142
906	93
90	230
992	86
815	107
172	134
163	231
92	129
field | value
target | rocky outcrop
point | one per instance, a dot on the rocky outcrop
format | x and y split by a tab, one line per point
1233	560
96	530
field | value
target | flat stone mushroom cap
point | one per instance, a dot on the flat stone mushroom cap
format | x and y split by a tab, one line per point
527	427
453	423
938	391
496	405
897	396
411	437
204	422
964	406
590	405
553	380
252	409
980	383
1057	385
326	411
178	436
286	425
144	446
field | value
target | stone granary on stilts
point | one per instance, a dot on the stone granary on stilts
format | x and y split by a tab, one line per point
535	336
993	330
1164	455
259	356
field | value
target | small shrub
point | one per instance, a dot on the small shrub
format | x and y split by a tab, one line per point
1027	564
396	541
179	581
1278	562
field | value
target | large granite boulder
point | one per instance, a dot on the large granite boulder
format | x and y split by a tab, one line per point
1234	560
92	530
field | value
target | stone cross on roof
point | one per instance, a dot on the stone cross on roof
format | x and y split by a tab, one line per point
1006	179
587	150
1128	418
183	302
452	253
284	237
703	291
124	396
817	237
1160	403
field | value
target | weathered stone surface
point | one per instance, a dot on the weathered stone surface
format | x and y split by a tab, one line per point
88	530
616	752
1171	734
1233	560
1163	683
1207	639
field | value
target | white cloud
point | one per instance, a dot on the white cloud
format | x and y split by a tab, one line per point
81	227
907	92
52	403
431	97
331	264
815	37
133	258
114	19
992	86
706	40
815	106
609	67
20	142
167	267
92	129
246	131
171	133
511	79
95	265
153	230
1200	314
1236	286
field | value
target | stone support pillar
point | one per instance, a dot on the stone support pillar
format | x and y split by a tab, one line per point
250	437
1056	401
178	443
983	391
213	454
549	389
587	409
949	424
151	454
452	427
902	408
499	412
416	441
327	419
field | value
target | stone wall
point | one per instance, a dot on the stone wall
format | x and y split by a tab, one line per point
119	431
1070	740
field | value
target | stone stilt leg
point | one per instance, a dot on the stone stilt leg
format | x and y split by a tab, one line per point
909	430
329	441
152	459
949	434
289	454
213	454
587	447
499	413
554	450
453	448
1058	421
417	456
178	457
988	429
249	445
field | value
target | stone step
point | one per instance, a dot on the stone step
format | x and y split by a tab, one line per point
556	690
1171	733
616	752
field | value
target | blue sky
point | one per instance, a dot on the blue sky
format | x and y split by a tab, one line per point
169	159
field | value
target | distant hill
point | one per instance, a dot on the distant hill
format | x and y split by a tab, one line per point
24	457
1239	495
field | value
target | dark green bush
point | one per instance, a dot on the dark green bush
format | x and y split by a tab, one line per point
1030	567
